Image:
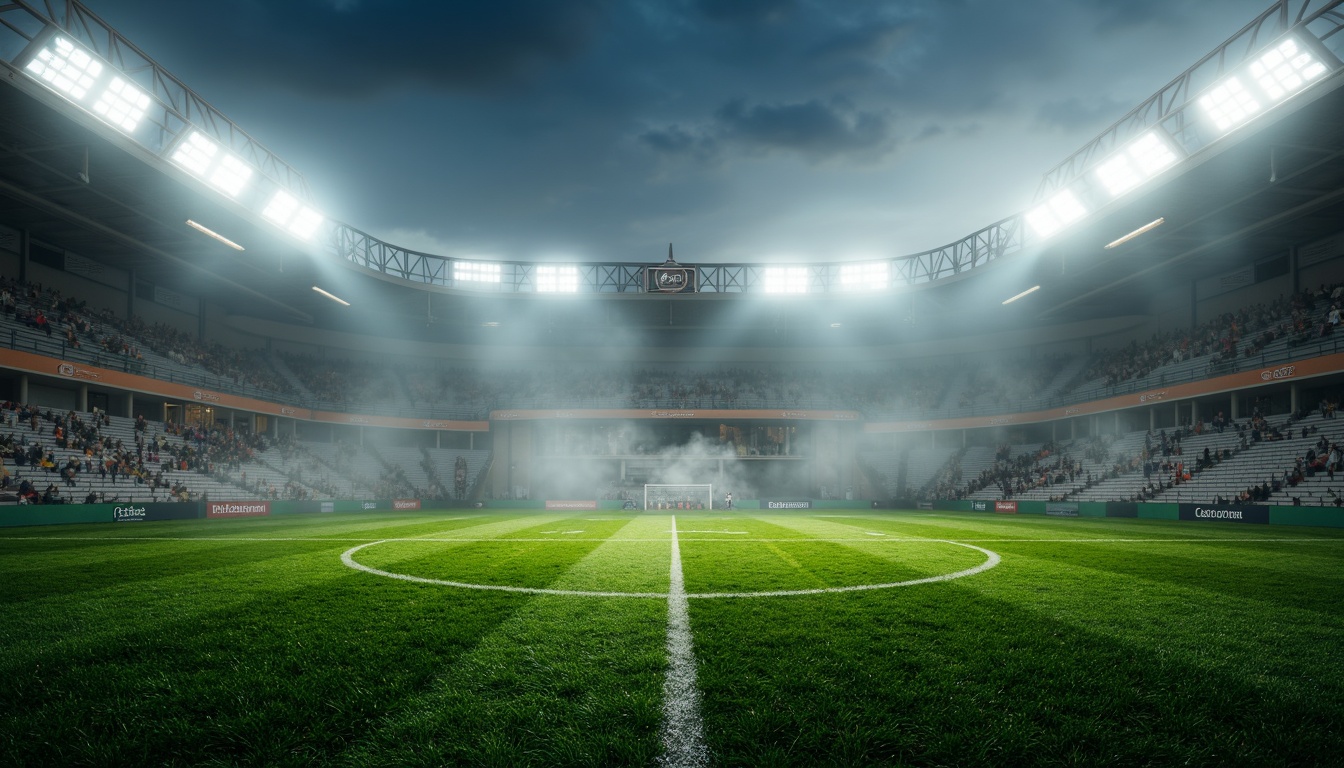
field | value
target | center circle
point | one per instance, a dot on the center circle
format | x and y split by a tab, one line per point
991	559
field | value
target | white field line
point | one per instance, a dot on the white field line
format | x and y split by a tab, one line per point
502	540
991	560
741	533
683	731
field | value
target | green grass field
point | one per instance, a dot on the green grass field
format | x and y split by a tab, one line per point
1090	642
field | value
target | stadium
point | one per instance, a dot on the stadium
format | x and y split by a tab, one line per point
277	491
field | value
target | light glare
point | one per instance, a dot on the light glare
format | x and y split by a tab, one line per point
1056	213
1142	159
557	279
1229	104
476	272
122	104
872	276
785	280
1285	69
67	69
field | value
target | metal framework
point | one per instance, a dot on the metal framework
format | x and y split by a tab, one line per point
1003	238
1316	22
174	108
25	24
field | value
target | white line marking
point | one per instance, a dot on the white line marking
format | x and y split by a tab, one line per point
732	532
874	533
506	540
683	731
991	560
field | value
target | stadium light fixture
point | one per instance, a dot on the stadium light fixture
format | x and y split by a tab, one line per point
1027	292
785	280
122	104
1056	213
332	296
205	159
1119	241
1286	69
68	69
870	276
290	214
557	279
1229	104
477	272
75	74
1140	160
212	233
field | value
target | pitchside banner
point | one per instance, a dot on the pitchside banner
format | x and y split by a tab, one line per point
979	506
136	513
1224	514
1005	507
570	504
238	509
788	504
1061	509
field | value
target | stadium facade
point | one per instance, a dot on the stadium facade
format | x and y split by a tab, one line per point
1177	271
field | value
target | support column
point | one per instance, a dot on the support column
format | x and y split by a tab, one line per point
1073	428
1054	431
130	405
1117	422
933	438
1194	412
23	388
83	405
1292	398
1152	419
1236	411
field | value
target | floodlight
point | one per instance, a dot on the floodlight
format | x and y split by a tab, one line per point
196	153
557	279
1056	213
122	104
476	272
871	276
206	160
785	280
289	213
1229	104
306	222
66	68
1137	162
230	174
1286	69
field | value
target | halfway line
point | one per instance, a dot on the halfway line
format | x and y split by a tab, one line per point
683	730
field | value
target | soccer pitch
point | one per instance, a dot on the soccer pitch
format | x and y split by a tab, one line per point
603	638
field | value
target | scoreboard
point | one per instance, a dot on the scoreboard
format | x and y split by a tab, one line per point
671	277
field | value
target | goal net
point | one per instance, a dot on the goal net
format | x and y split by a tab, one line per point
657	496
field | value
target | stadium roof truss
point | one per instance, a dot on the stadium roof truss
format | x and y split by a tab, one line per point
47	40
50	41
1173	113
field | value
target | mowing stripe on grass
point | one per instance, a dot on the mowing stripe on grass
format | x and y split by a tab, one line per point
683	731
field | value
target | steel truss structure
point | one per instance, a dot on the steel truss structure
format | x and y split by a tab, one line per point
1314	22
176	108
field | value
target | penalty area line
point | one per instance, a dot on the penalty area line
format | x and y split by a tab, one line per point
683	730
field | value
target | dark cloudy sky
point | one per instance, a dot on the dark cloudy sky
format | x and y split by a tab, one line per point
743	130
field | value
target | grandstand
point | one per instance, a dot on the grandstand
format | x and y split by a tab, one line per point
1151	331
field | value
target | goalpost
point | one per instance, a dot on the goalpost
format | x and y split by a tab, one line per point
665	496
